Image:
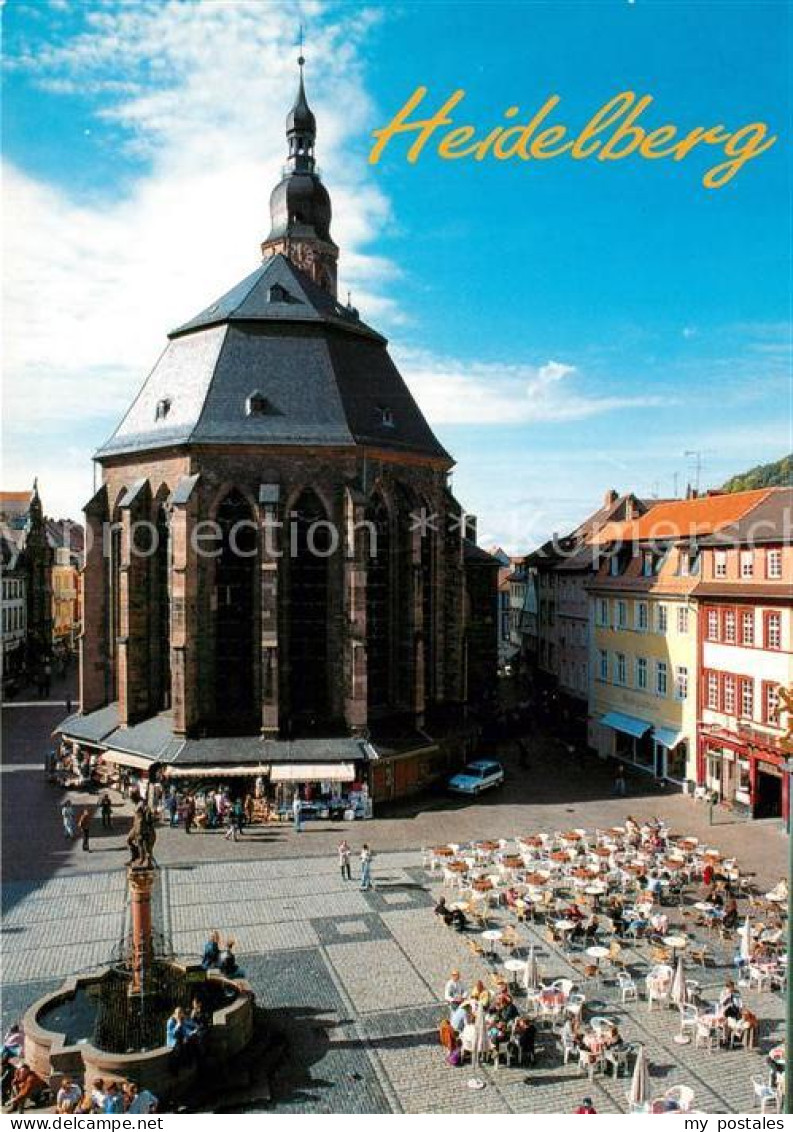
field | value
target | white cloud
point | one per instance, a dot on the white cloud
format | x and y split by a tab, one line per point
452	391
200	91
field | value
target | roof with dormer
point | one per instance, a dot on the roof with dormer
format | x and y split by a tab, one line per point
325	378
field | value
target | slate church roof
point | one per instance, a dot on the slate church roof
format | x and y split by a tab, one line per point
275	361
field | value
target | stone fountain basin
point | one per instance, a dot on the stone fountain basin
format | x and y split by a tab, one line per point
48	1052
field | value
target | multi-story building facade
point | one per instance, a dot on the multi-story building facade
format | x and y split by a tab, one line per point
562	568
14	609
643	658
65	601
745	598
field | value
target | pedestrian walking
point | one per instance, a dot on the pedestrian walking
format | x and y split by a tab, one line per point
344	860
189	815
172	807
84	825
106	811
619	782
366	868
67	815
297	807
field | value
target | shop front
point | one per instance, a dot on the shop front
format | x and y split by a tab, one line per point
671	754
745	772
632	743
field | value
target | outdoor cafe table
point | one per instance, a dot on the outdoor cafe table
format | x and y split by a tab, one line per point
571	835
492	935
537	879
532	842
673	863
512	862
560	855
564	925
597	953
457	867
483	884
596	890
489	846
442	851
675	943
515	967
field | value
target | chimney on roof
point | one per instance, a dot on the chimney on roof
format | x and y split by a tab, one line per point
631	511
610	498
691	492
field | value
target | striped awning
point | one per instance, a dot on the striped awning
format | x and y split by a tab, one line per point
217	772
313	772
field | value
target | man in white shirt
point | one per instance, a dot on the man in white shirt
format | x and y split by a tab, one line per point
455	991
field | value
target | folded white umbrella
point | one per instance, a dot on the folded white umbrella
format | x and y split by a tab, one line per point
531	978
678	991
745	935
640	1082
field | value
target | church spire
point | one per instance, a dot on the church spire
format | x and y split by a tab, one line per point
301	129
300	210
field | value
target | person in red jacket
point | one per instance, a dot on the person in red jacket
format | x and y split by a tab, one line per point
587	1107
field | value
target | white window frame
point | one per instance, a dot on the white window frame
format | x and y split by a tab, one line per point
641	673
662	618
720	564
642	616
620	669
682	619
773	564
747	564
603	665
661	678
681	682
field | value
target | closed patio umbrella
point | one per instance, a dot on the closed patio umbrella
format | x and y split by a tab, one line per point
678	991
531	979
479	1036
640	1082
745	936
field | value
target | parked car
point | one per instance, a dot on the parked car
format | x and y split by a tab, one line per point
476	777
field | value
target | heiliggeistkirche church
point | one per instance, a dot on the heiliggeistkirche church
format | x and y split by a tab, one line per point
280	583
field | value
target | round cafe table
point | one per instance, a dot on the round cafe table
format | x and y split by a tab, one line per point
560	855
571	835
597	952
512	862
675	943
537	879
596	890
515	967
532	842
492	935
490	846
457	867
484	884
442	851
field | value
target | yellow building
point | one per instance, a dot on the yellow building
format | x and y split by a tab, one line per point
644	661
644	638
65	601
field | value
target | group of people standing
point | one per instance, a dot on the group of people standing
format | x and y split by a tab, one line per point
365	858
74	825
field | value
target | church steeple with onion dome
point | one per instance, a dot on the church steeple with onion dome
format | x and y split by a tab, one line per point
300	209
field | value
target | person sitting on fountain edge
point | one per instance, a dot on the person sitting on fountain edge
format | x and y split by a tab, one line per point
211	956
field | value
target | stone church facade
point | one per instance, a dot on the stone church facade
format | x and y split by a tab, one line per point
274	551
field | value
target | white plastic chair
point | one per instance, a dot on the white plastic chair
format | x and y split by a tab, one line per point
765	1094
689	1020
629	992
683	1095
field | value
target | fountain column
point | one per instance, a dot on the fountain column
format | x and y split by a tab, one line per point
141	882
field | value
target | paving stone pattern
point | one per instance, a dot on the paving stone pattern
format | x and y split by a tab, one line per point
355	982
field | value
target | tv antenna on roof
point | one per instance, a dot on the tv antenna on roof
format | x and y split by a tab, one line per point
698	456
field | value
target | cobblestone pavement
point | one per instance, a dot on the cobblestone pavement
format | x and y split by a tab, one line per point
355	979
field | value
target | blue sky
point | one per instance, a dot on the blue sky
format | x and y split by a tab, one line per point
567	326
